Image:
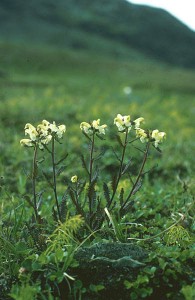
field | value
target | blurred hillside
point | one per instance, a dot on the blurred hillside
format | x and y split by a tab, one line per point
114	27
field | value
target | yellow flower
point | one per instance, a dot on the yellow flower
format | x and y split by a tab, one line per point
31	131
158	137
40	144
74	179
95	124
45	129
42	128
137	122
53	127
89	128
45	123
46	139
122	122
26	142
140	133
86	127
102	129
60	131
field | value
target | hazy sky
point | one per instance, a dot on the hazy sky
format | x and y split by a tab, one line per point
183	10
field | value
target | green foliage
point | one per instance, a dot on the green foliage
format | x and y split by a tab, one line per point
161	275
41	273
117	227
63	235
25	291
96	288
189	291
55	85
177	235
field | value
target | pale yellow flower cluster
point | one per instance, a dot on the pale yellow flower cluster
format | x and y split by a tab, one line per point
158	137
74	179
90	128
124	122
42	134
153	136
142	134
137	122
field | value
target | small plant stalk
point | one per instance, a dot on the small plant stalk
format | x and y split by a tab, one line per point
91	174
120	167
91	159
125	204
34	176
54	177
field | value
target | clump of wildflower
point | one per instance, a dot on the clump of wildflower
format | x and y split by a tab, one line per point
86	127
153	136
26	142
94	126
137	122
58	130
142	135
123	123
43	128
31	131
74	179
157	137
43	134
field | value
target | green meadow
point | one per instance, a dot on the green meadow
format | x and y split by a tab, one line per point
68	87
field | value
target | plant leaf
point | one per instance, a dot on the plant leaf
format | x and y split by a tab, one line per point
62	159
119	140
137	187
121	196
84	165
60	170
127	167
48	179
106	192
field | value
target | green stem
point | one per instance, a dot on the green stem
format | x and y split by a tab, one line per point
91	174
91	159
54	177
34	175
138	177
120	167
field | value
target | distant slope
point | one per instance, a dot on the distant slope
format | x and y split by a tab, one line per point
116	27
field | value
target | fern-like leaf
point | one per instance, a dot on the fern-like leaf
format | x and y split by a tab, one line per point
114	183
126	168
63	206
60	170
121	196
48	179
64	234
84	165
75	202
62	159
137	187
177	235
106	193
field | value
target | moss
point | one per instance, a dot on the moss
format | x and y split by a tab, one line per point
109	264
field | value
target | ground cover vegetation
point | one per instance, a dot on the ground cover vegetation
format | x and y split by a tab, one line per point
93	173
